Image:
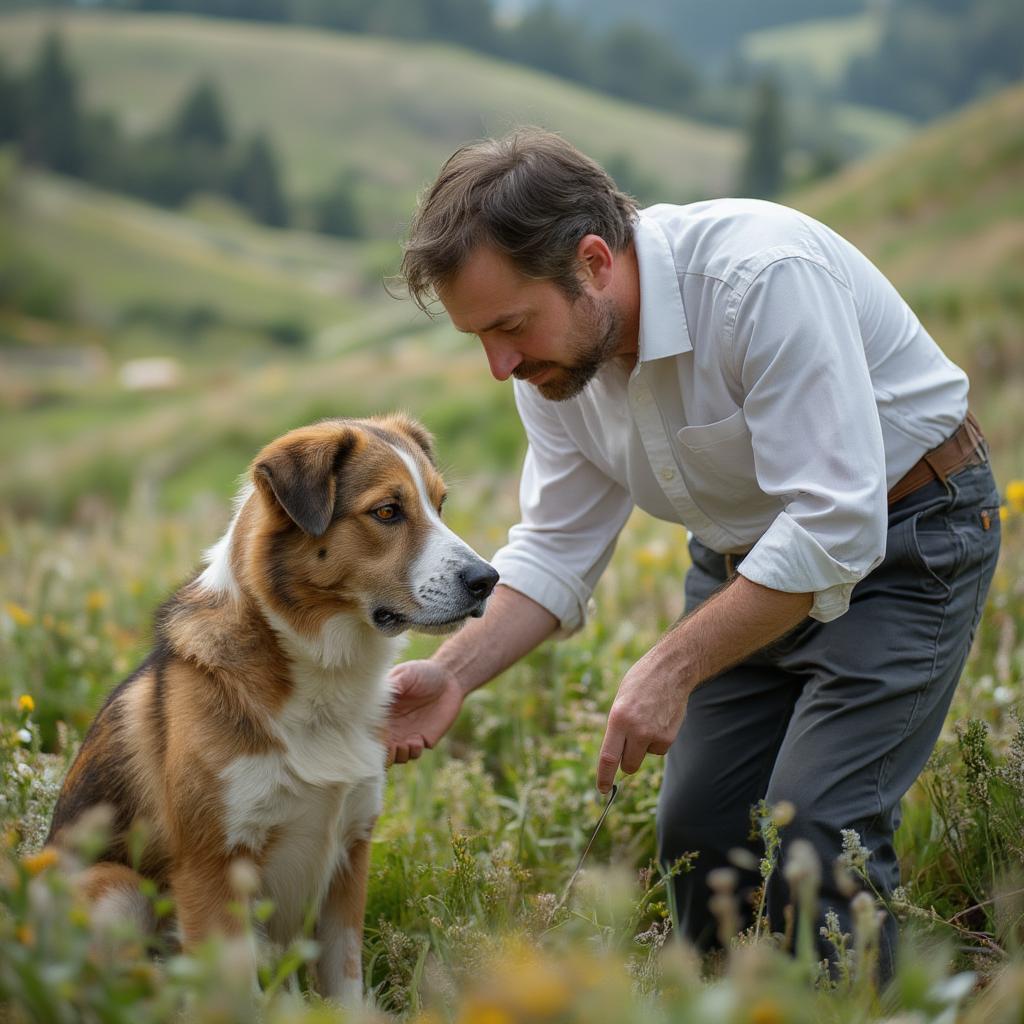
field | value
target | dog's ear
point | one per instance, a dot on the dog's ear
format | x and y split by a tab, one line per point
416	432
423	438
302	476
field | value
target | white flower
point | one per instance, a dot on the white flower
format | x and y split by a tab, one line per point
24	770
1003	695
24	735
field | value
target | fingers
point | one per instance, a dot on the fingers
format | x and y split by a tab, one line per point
408	750
610	756
633	754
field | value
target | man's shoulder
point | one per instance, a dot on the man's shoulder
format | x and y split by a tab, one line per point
729	240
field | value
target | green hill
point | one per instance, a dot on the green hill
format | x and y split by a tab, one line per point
390	110
943	216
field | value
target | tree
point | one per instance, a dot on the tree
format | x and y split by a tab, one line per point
763	167
336	212
11	101
201	119
636	64
544	39
52	134
256	183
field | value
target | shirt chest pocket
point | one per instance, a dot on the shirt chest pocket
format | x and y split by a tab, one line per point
718	462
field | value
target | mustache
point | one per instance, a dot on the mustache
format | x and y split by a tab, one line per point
524	370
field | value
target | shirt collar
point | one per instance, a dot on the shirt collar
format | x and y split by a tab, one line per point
663	328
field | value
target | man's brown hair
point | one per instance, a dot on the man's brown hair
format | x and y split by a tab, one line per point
531	195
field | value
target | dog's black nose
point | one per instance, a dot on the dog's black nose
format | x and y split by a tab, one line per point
479	580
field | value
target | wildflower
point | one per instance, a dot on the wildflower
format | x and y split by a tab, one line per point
723	880
972	738
18	615
24	934
24	736
95	601
243	877
26	703
783	813
480	1012
35	863
1004	513
855	855
541	991
24	770
1015	495
766	1011
802	864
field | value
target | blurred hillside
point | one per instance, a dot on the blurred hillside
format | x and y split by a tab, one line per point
384	110
269	328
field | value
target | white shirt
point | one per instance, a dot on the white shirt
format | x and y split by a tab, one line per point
781	387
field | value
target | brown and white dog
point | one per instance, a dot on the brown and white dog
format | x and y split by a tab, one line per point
253	730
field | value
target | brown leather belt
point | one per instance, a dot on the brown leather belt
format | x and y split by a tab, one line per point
967	447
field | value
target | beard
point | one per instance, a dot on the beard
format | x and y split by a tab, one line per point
594	340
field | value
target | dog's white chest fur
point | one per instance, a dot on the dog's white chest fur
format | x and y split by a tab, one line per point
301	807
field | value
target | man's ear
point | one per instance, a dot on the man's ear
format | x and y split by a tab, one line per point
595	260
302	477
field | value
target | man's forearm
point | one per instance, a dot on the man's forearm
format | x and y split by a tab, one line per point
511	627
732	624
649	707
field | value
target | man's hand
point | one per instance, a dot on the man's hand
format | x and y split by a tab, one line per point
648	709
644	719
426	700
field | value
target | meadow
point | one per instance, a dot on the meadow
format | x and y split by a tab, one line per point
110	495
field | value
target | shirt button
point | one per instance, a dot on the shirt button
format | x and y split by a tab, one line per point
668	474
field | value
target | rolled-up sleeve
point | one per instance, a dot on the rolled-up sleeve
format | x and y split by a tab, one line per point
815	432
571	514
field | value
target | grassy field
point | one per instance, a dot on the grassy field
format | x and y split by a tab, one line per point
110	496
386	109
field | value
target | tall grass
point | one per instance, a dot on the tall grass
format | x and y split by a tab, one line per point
480	837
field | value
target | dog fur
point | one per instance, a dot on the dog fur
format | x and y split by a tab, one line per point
253	731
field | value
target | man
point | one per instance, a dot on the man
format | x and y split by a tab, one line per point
739	368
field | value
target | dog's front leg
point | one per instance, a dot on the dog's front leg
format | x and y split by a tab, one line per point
340	928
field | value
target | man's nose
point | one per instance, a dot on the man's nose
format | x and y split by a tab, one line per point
501	357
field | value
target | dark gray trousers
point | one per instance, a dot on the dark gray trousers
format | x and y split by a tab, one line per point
839	717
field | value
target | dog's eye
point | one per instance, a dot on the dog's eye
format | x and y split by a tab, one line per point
386	513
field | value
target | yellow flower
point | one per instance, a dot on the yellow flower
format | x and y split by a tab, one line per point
477	1011
1015	495
38	862
26	703
95	601
24	934
1004	513
541	991
765	1011
18	614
